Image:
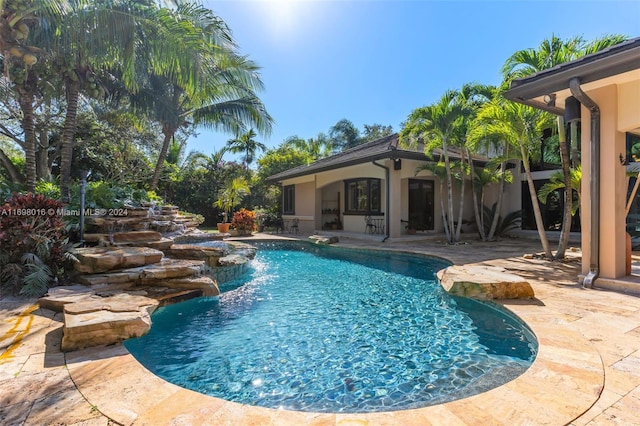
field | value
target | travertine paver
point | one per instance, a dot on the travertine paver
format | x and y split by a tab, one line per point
588	339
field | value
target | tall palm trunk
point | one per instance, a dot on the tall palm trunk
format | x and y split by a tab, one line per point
26	99
536	206
43	168
447	231
447	167
43	160
67	141
568	193
494	222
476	210
168	131
459	227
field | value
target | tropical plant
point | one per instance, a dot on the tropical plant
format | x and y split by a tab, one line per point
244	220
219	94
550	53
520	126
438	126
246	144
315	148
231	196
483	177
556	182
375	131
33	244
511	221
344	135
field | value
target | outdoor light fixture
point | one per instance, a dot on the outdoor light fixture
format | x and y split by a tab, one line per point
623	160
571	109
550	100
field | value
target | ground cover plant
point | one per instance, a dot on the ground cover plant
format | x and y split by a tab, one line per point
33	244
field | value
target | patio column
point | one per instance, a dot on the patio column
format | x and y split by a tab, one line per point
613	190
395	204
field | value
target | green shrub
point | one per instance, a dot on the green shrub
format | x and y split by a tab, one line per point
33	244
48	189
510	222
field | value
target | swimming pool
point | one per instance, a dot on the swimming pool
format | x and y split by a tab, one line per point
326	329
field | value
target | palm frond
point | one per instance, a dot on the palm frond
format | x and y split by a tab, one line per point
36	279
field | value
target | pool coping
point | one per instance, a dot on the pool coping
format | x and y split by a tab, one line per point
564	381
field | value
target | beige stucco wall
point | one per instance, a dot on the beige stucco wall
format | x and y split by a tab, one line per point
629	106
305	202
317	192
613	186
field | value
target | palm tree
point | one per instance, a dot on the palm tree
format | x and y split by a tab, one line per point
471	96
319	147
521	126
478	139
344	135
438	126
245	143
220	95
550	53
556	182
231	196
117	37
17	21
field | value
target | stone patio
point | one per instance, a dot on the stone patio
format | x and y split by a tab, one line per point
587	371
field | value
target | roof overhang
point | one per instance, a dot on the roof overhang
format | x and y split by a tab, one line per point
388	155
616	64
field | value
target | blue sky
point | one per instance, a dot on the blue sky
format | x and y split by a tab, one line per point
375	61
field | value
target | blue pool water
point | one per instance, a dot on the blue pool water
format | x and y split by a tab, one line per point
332	330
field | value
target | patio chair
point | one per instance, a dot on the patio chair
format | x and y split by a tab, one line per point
293	229
370	226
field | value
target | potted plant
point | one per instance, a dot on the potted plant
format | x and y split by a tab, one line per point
244	221
410	227
228	198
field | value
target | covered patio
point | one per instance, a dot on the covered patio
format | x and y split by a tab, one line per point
602	90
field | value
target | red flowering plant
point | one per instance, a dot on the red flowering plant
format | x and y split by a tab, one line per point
33	243
244	220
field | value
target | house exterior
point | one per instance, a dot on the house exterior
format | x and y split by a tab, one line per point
603	91
375	188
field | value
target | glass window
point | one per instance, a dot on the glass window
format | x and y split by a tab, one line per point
363	196
289	199
633	148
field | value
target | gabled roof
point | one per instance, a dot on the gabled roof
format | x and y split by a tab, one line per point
618	59
384	148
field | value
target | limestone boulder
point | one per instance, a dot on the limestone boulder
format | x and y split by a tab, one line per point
57	297
198	236
136	236
484	283
319	239
232	260
209	255
93	260
106	320
203	283
170	268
